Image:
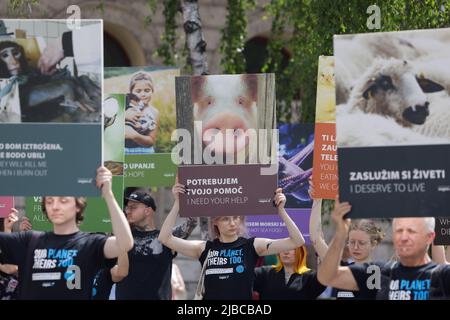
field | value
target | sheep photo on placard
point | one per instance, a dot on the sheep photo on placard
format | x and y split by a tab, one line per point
393	89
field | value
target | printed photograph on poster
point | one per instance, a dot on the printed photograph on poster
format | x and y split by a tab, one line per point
295	163
271	226
392	97
50	73
222	114
55	74
6	203
114	132
325	177
149	106
392	128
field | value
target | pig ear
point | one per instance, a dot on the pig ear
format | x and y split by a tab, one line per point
197	83
429	86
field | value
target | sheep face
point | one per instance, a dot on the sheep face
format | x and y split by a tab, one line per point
392	89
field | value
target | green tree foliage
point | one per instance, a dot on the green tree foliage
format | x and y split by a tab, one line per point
21	8
234	35
306	29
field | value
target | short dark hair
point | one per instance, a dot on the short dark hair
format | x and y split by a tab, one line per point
80	203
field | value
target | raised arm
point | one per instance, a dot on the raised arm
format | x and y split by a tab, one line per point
438	254
265	247
122	241
120	270
10	220
7	227
190	248
315	225
330	272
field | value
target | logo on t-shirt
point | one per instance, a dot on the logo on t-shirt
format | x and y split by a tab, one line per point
409	289
51	263
231	259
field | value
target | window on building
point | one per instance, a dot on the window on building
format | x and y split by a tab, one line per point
113	53
255	52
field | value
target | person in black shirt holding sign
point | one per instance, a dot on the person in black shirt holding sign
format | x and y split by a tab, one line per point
414	277
364	236
62	264
150	262
230	258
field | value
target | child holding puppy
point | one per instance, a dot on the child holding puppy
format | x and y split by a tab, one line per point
141	118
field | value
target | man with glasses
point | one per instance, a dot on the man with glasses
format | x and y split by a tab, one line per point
150	262
413	277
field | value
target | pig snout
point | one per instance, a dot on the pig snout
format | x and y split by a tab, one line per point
215	133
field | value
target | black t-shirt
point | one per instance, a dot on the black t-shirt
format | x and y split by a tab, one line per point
150	269
103	281
272	285
230	269
398	282
54	266
341	294
8	286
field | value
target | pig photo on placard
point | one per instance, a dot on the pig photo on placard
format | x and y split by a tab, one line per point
149	106
114	131
227	143
295	163
55	71
392	122
222	114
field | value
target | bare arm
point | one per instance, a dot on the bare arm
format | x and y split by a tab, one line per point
315	229
330	272
265	247
8	225
438	254
120	270
10	220
9	269
190	248
122	241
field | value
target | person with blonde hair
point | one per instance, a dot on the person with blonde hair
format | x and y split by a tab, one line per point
289	279
230	258
141	118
